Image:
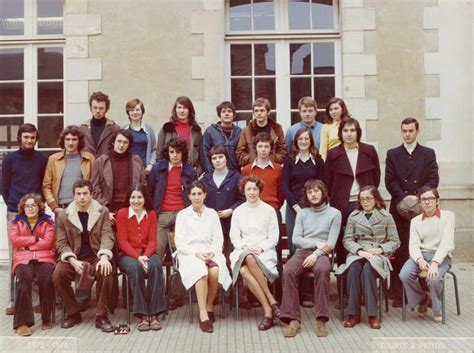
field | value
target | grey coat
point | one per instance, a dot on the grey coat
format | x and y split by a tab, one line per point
150	146
363	234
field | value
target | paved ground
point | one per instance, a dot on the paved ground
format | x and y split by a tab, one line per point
178	335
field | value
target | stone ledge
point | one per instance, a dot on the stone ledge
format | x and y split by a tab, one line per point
77	47
353	42
75	6
82	24
358	19
359	64
354	86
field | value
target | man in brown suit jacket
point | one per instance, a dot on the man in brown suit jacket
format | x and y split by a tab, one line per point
98	131
84	235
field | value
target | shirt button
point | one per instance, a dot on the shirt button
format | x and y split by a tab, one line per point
415	181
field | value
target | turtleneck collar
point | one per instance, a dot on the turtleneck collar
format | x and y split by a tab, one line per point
116	155
320	208
26	153
223	172
98	122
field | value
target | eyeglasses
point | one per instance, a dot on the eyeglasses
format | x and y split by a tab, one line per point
428	199
31	207
366	199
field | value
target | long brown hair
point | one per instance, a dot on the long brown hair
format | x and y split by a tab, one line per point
342	104
379	202
183	100
313	150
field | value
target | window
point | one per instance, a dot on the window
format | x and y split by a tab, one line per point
31	70
282	50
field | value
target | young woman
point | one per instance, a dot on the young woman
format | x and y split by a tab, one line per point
254	234
336	111
183	124
198	236
136	235
370	239
431	250
302	164
223	192
144	140
32	239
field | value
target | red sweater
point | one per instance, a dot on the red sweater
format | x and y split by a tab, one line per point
173	199
184	131
136	239
271	193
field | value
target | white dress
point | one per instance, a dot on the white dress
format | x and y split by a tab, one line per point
194	233
255	225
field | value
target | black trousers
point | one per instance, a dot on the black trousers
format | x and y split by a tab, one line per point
23	307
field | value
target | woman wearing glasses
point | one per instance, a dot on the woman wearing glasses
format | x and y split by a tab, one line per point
370	239
32	238
431	246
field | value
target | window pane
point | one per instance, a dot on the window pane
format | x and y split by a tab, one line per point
324	89
11	98
295	117
241	60
49	128
298	14
264	59
300	87
50	97
300	59
8	131
11	17
242	93
50	63
323	58
263	15
322	12
242	119
50	17
240	13
265	87
321	116
11	64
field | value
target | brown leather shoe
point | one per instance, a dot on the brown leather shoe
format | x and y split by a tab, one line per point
307	304
72	321
23	330
10	310
103	323
374	323
206	326
47	325
276	310
351	321
265	324
321	328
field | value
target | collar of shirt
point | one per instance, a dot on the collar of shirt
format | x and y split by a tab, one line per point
410	147
254	164
312	126
170	166
298	158
136	129
436	214
132	213
350	149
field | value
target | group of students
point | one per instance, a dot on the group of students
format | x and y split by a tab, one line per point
118	194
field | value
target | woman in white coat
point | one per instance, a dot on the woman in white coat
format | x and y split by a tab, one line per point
254	235
199	240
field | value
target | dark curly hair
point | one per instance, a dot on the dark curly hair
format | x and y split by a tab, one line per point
251	179
178	144
38	201
314	184
74	131
100	97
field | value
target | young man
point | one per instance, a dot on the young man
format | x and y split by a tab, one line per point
316	231
431	250
115	172
270	173
261	123
167	185
65	168
408	168
84	235
308	109
222	133
22	173
349	167
99	130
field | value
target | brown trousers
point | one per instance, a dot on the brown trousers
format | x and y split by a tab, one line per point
64	274
290	302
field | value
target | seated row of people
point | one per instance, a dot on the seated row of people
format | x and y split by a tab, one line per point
85	247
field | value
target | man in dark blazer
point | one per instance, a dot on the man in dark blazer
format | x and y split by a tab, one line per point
408	168
349	167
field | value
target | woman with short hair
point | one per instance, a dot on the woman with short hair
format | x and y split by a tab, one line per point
370	239
254	234
198	237
32	239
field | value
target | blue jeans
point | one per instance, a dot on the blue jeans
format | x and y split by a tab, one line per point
150	300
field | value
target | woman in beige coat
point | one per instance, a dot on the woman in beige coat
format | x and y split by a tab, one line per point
370	238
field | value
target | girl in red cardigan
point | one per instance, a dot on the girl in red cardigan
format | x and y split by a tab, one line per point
136	235
32	238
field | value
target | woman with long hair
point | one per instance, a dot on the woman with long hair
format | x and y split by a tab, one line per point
336	111
136	235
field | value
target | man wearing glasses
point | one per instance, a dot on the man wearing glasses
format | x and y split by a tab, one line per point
408	168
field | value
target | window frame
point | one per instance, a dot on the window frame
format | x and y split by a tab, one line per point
282	40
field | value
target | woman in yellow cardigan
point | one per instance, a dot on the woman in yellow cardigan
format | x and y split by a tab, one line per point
336	110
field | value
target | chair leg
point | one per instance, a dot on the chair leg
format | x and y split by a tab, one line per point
456	292
404	307
127	298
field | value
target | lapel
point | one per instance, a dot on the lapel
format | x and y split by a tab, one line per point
362	220
341	161
94	214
